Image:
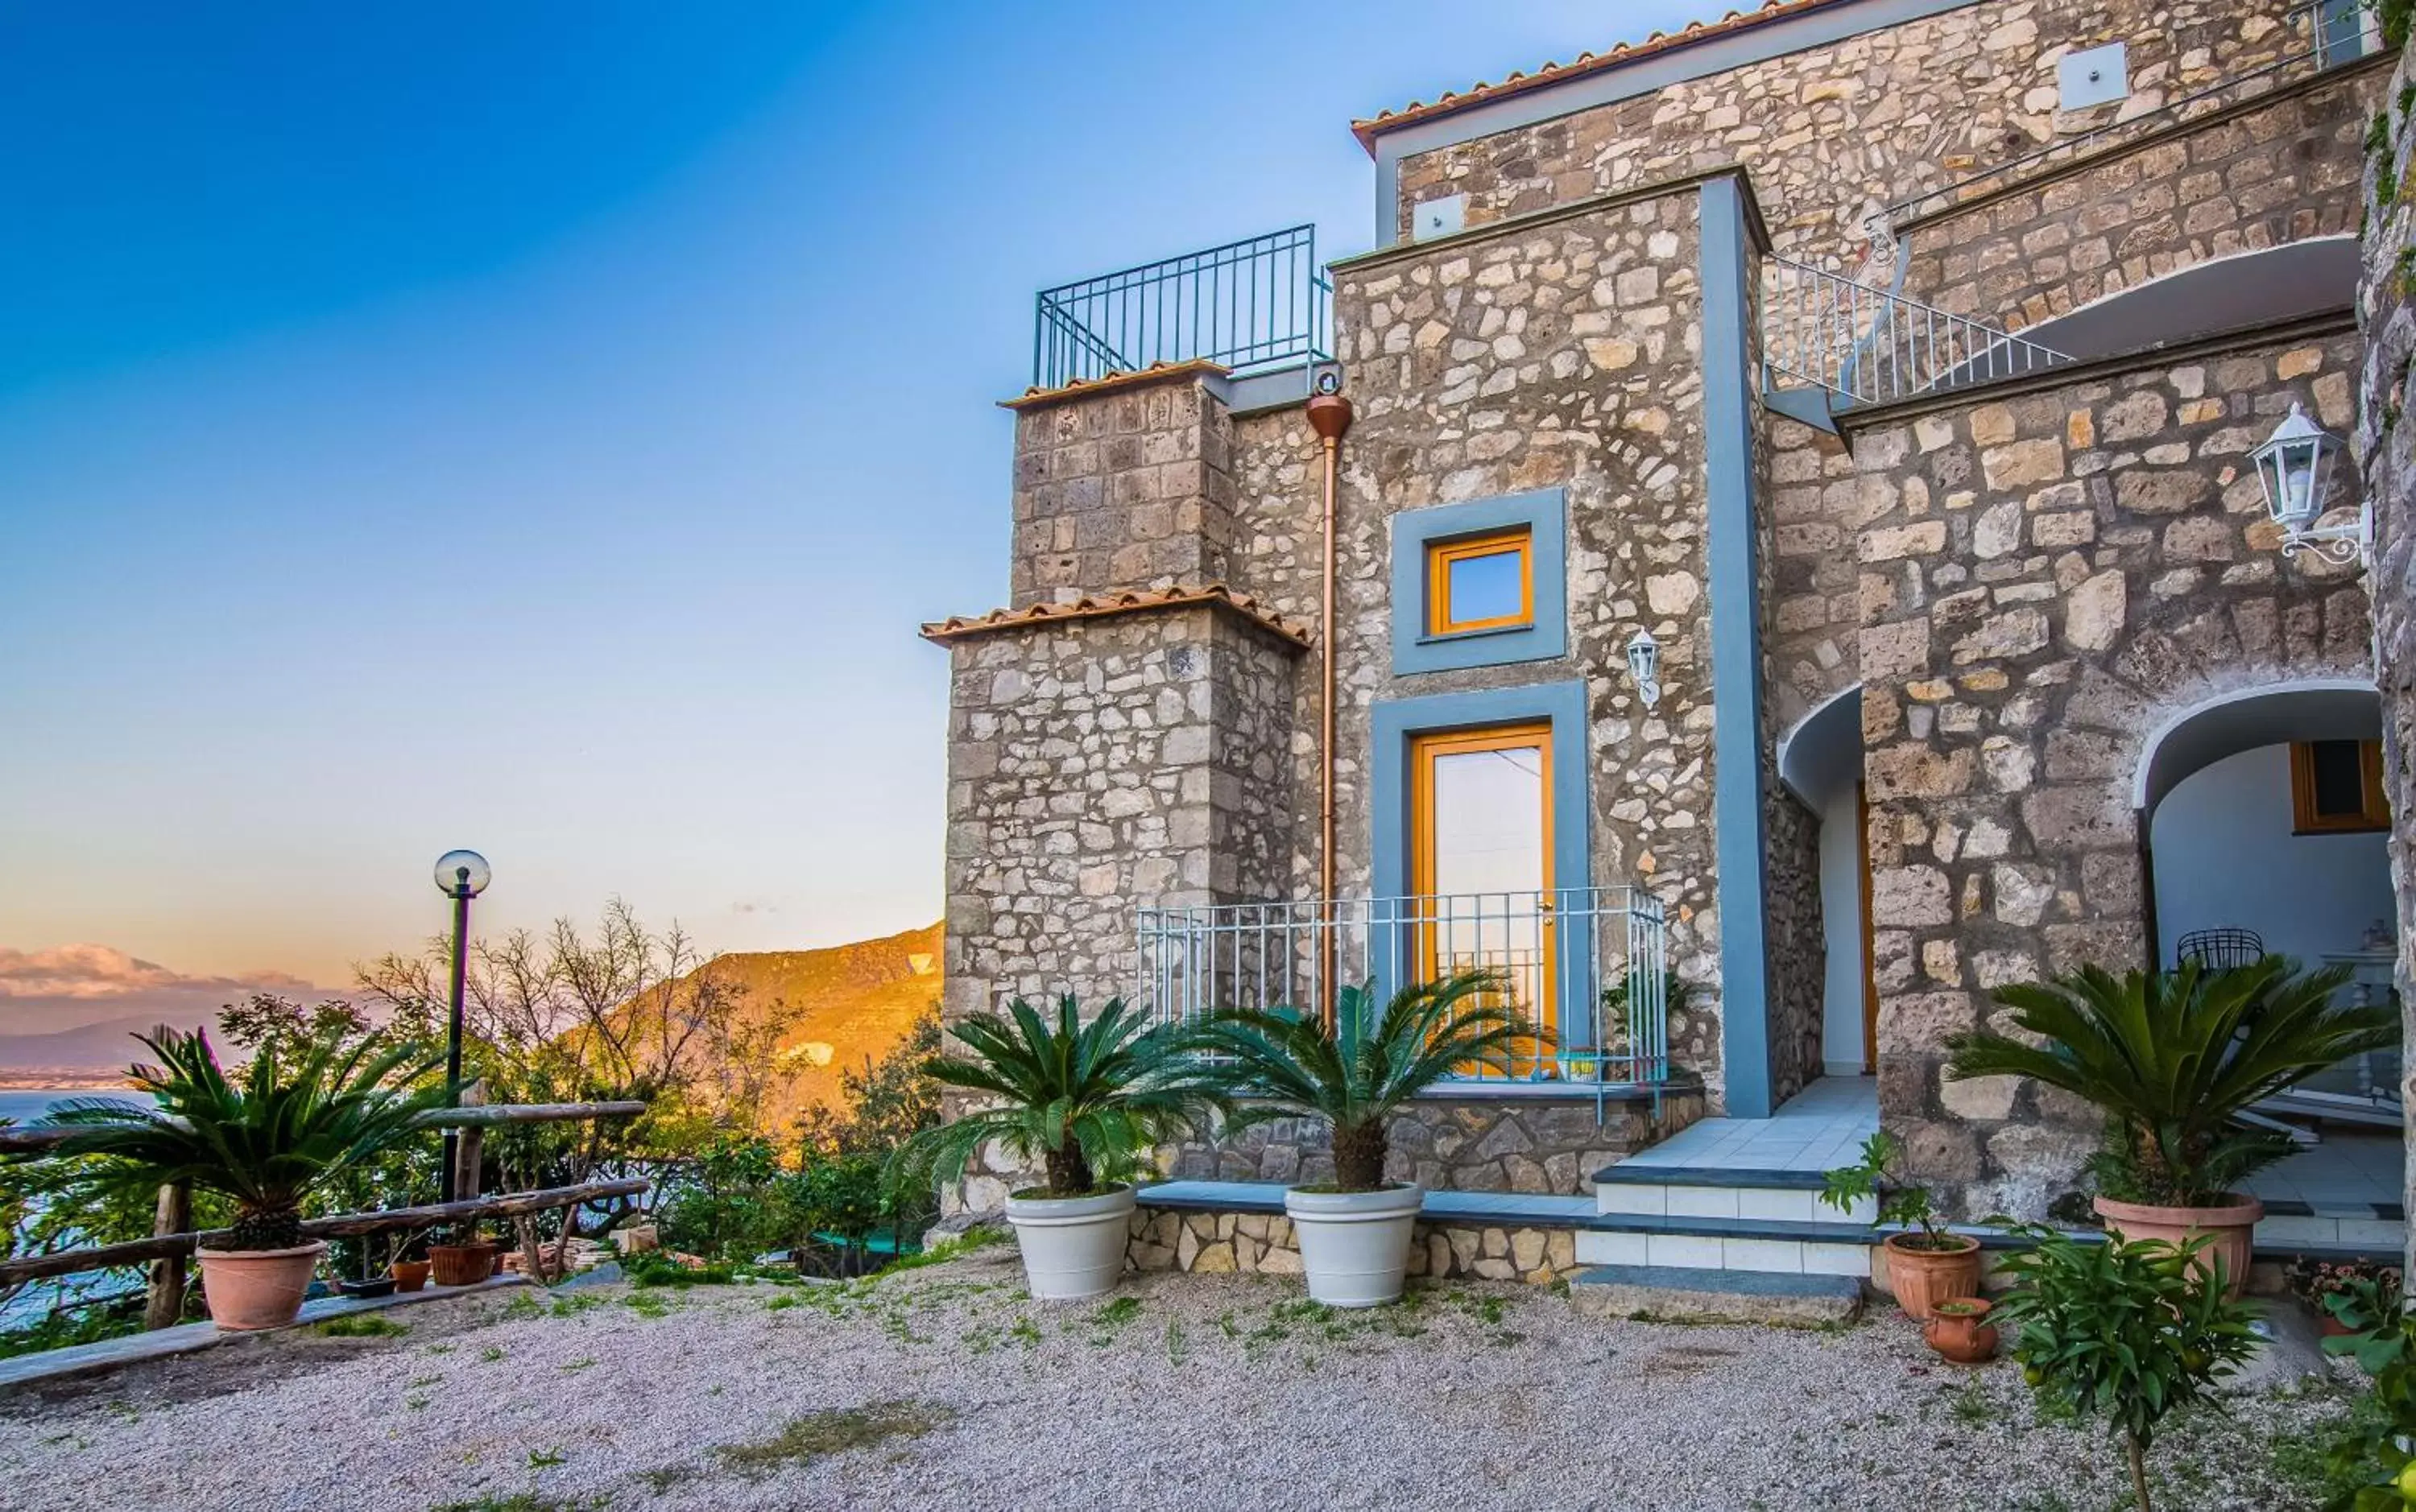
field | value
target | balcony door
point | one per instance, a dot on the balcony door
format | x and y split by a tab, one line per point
1481	822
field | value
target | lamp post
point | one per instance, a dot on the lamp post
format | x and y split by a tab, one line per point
2294	467
460	874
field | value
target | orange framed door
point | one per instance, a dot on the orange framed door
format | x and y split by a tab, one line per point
1480	864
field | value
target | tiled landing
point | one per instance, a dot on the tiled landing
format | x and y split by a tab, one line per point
1820	1127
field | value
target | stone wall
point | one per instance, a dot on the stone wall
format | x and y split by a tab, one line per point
1263	1243
1096	763
1497	1144
2386	453
2283	171
2059	571
1832	134
1796	948
1129	484
1560	354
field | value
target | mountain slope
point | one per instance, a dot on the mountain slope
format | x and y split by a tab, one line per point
858	1000
87	1049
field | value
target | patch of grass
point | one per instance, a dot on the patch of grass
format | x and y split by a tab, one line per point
526	1501
577	1365
652	1268
571	1306
362	1325
1123	1310
1176	1350
1026	1333
662	1478
419	1382
490	1353
648	1304
1972	1407
944	1251
520	1307
781	1304
546	1459
835	1431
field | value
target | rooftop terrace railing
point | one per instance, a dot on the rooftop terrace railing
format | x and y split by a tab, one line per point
1872	346
2338	32
1247	304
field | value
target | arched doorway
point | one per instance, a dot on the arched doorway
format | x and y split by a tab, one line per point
1820	761
2263	833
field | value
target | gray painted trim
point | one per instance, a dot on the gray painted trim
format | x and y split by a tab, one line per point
1727	253
1812	406
1263	388
1607	86
1393	721
1545	513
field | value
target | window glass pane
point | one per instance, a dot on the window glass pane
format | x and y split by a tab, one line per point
1488	820
1488	586
2338	773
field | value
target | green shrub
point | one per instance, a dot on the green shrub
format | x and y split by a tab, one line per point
2127	1332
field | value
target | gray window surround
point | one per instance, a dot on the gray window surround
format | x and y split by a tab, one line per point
1544	513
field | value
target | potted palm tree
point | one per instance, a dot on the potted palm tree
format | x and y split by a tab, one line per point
266	1143
1354	1231
1084	1100
2173	1060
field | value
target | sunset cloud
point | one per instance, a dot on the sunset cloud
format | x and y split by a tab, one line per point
99	973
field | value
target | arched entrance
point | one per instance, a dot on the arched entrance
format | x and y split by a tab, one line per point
1820	761
2263	833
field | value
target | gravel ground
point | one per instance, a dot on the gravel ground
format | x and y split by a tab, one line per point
946	1387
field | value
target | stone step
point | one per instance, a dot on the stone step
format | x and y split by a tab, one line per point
1710	1192
1714	1296
1736	1245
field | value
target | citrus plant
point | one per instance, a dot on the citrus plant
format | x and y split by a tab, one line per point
1902	1204
2127	1332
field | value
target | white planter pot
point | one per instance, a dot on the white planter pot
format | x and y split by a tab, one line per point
1072	1246
1354	1245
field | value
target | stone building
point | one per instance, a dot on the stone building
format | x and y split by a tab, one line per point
1764	551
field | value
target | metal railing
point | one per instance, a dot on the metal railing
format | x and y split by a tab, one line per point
1589	965
2338	32
1872	346
1262	300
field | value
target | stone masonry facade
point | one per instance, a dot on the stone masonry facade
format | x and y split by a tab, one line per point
2386	462
2021	579
2058	571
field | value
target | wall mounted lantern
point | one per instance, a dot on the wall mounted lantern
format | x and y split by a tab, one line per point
2295	466
1644	667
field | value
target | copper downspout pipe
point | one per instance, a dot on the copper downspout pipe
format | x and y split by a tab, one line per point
1329	415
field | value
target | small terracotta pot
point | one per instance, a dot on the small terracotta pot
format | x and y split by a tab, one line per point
1959	1329
460	1264
252	1289
409	1275
2232	1227
1921	1278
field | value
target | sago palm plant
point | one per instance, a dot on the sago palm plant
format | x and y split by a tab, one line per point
1083	1099
1284	1064
2173	1058
293	1121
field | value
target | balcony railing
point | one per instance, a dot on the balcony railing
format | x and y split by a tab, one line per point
1247	304
1872	346
1586	964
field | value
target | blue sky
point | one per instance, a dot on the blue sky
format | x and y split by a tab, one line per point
541	428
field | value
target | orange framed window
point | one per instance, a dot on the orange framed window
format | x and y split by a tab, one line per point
1481	858
2337	788
1483	582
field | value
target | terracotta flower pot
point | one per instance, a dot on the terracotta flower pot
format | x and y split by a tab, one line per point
1959	1329
460	1264
1921	1278
252	1289
409	1275
2232	1227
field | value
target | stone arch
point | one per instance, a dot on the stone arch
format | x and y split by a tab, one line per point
2264	713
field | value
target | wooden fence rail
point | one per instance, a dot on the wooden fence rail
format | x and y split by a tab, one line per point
33	1139
166	1246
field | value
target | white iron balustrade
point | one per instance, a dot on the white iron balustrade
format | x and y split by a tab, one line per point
1588	963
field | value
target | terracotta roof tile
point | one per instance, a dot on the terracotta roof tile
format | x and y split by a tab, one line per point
1154	372
1132	601
1584	62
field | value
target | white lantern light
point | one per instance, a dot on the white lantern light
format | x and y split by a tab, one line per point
2293	465
1644	667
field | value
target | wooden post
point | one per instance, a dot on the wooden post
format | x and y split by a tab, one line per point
471	1151
164	1306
